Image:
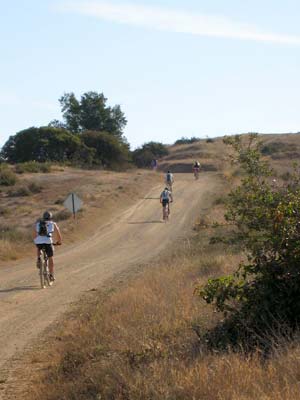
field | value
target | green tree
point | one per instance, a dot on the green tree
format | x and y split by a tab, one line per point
109	150
41	144
92	113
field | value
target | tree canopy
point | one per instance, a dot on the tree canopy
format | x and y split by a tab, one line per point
41	144
91	113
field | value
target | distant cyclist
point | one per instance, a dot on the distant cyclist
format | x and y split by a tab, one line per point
169	180
196	169
166	197
154	164
43	233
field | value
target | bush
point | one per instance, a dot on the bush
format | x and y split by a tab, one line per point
62	215
33	166
19	192
41	145
143	156
276	147
7	176
35	187
264	292
185	140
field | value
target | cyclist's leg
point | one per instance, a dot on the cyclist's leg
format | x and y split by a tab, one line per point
38	256
49	251
51	266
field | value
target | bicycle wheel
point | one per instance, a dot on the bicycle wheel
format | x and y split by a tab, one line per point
47	273
42	276
165	213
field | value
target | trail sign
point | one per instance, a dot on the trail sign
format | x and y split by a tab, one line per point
73	203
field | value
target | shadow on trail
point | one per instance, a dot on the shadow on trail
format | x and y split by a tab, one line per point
145	222
19	289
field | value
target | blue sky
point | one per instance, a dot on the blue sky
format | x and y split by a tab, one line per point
177	68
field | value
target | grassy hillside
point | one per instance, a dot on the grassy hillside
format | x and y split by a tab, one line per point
213	154
143	338
101	192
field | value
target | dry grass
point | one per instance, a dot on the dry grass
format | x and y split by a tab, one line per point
8	250
138	342
101	191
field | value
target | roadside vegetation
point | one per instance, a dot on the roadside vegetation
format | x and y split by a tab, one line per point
155	337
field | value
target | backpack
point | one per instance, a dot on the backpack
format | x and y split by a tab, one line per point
43	231
169	177
165	195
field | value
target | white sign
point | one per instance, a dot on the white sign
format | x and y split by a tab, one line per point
73	203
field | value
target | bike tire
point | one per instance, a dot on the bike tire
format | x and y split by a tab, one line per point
47	273
42	277
165	214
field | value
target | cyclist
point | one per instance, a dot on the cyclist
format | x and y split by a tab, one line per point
169	180
44	229
154	164
196	168
165	198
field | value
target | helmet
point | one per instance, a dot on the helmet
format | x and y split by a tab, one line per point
47	215
168	172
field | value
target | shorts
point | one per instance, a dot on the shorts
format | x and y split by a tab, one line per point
165	202
48	248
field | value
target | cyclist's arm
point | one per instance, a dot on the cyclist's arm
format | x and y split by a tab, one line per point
57	234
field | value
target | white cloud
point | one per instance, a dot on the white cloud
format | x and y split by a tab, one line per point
174	20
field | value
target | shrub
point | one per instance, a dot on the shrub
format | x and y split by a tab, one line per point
62	215
19	192
40	145
143	156
276	147
7	176
33	166
185	140
265	291
35	187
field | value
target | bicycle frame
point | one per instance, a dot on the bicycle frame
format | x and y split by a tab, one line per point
44	270
166	212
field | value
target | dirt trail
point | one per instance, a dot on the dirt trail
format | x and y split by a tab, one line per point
134	237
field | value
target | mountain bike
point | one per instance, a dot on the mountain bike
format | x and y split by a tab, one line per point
169	185
44	272
196	173
165	211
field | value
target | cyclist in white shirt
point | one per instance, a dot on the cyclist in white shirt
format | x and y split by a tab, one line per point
44	230
166	197
169	180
